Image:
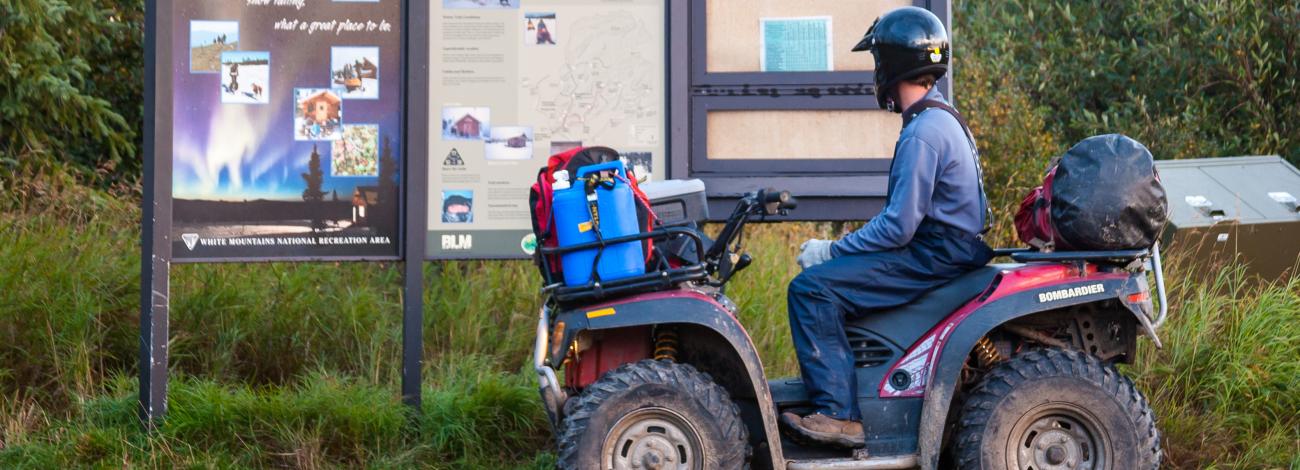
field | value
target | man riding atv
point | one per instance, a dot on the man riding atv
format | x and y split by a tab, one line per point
952	361
929	232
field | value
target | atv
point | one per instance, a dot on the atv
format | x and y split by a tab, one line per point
1011	365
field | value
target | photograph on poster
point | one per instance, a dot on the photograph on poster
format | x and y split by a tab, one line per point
354	72
472	4
319	114
540	29
208	40
245	77
357	152
466	123
457	206
640	164
510	143
561	146
282	204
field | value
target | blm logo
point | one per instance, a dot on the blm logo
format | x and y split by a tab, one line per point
190	240
462	242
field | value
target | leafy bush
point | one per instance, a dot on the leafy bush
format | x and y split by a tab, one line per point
71	80
1189	78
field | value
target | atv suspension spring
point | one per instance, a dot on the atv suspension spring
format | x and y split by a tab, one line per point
987	352
666	346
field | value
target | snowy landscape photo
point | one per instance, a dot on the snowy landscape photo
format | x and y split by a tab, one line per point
466	123
354	72
246	77
510	143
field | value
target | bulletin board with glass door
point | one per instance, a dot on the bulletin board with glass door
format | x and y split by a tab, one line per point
774	97
513	82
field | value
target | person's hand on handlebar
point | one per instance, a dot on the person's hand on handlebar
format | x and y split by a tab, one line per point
814	252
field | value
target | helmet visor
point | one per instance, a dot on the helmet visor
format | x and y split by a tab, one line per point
867	39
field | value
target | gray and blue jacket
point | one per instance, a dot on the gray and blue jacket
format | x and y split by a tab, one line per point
935	175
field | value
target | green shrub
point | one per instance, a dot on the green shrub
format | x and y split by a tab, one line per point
1189	78
71	81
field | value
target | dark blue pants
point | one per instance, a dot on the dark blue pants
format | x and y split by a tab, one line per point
824	296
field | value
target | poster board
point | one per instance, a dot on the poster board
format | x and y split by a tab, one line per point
728	20
511	85
752	110
275	130
285	124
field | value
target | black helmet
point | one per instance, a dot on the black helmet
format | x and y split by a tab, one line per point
906	42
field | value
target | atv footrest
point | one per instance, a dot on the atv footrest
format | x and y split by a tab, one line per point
870	463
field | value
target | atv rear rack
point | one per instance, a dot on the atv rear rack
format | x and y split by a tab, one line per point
663	277
1116	256
1150	259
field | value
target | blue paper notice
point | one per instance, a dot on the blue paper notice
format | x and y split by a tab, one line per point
796	44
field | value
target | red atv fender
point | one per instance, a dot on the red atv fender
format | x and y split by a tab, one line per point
1013	294
705	323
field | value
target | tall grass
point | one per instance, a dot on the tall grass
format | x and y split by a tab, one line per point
296	365
274	365
1226	387
324	420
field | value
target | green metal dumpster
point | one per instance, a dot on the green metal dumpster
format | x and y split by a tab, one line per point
1236	207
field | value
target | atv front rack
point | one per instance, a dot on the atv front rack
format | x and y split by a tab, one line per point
663	277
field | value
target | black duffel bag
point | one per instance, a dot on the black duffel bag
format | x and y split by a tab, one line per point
1106	195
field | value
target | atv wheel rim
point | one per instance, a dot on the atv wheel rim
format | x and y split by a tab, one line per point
1058	436
652	439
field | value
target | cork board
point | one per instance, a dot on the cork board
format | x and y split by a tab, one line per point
802	134
733	29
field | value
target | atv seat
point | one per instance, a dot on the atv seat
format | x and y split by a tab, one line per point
906	324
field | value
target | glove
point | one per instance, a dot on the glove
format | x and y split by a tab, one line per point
814	252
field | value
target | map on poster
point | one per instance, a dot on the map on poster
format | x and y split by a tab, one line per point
285	124
516	81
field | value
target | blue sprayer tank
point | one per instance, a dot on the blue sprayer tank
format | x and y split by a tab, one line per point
617	217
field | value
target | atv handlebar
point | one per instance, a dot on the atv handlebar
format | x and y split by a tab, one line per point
723	258
782	199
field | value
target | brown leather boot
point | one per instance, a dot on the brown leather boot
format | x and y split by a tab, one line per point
823	429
